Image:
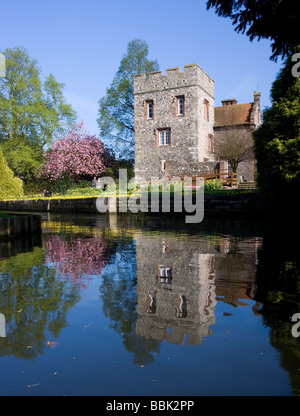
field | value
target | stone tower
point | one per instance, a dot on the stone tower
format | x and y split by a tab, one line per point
174	120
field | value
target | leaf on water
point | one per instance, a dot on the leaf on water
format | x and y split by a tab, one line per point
52	344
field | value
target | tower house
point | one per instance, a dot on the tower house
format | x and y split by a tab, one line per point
174	120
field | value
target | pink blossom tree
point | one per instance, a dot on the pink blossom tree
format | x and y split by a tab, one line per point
77	155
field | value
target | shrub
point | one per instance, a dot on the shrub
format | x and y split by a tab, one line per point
10	187
213	185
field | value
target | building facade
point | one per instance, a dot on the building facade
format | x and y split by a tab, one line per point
174	120
176	123
233	118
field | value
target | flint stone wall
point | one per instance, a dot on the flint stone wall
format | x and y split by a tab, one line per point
189	133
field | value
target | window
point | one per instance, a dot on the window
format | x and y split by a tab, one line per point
180	104
149	110
165	274
210	143
164	137
206	110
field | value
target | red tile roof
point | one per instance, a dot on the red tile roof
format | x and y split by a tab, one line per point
236	114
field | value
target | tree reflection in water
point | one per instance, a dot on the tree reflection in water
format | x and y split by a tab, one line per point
119	297
77	258
35	303
158	284
38	288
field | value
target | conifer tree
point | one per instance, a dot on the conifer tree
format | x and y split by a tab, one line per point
277	141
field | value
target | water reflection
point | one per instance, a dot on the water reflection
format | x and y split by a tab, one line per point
181	279
159	281
34	303
40	285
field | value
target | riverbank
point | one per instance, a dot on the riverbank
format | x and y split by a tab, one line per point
246	204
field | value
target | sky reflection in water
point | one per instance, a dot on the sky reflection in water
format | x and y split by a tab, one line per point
137	305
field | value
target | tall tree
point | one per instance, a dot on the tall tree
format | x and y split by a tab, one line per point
20	90
116	108
56	116
277	20
277	141
32	113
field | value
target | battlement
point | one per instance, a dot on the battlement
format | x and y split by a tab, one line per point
193	75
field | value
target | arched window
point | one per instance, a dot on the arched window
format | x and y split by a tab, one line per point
180	106
150	110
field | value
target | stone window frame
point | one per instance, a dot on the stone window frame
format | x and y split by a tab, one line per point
147	107
177	101
165	137
206	109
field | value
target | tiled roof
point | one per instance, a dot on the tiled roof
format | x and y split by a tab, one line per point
233	114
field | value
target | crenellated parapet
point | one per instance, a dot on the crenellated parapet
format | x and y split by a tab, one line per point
174	78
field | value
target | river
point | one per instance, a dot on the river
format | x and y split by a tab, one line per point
140	305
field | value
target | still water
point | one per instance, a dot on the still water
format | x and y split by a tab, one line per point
141	306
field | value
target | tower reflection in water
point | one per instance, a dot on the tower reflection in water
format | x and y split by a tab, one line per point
179	282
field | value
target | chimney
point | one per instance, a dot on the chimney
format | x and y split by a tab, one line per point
257	96
231	101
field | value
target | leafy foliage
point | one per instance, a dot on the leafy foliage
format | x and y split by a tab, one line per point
213	185
277	20
32	112
9	185
277	141
116	108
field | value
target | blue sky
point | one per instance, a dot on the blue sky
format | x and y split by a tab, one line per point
82	43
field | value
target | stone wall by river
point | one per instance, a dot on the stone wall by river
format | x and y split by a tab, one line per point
239	205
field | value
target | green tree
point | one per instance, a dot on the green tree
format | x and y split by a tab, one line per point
277	20
116	108
23	157
9	185
277	141
55	114
32	112
20	90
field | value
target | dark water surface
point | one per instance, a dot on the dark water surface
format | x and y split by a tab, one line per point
148	306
